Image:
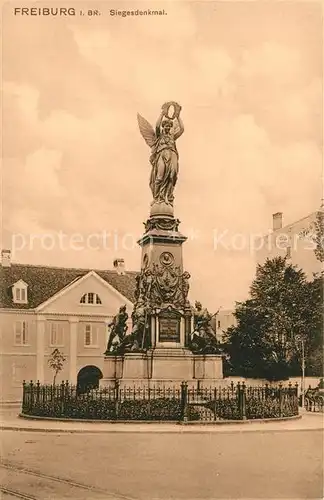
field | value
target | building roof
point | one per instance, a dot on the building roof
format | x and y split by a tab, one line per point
44	281
292	224
286	227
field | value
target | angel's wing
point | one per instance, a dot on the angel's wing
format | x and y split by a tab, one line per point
146	130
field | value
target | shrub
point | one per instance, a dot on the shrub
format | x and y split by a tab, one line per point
155	409
225	409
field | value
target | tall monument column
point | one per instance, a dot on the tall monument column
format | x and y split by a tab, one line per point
163	285
169	341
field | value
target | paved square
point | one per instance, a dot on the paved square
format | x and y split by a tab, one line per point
245	465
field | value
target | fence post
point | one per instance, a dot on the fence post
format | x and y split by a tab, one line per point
296	389
116	398
31	385
24	395
149	398
242	400
184	401
37	391
215	402
280	400
61	396
238	396
295	393
266	392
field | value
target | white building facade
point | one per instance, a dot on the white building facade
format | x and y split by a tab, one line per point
47	308
295	241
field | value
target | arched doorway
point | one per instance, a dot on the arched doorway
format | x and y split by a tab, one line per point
88	378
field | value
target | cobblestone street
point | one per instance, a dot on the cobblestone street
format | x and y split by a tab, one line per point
139	466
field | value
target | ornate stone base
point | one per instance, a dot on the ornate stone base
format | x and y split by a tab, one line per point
171	363
113	367
163	366
208	366
135	366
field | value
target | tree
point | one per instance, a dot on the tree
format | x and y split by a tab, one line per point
274	323
56	362
319	235
315	358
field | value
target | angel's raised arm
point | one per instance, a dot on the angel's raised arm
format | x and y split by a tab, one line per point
158	125
180	128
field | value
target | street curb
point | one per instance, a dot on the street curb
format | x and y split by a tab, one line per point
173	428
179	430
245	422
160	422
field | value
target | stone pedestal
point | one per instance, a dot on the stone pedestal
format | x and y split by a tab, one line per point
208	366
165	367
112	370
135	366
171	364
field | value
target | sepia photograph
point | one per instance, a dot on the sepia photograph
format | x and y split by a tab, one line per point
162	250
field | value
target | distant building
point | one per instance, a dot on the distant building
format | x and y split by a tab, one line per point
223	320
43	308
295	241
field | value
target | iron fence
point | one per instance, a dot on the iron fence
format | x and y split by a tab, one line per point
239	402
177	403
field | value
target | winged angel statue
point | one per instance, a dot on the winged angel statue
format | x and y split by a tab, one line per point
164	155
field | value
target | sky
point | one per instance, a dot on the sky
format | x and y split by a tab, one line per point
248	76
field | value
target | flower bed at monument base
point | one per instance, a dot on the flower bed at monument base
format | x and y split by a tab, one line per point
159	409
160	404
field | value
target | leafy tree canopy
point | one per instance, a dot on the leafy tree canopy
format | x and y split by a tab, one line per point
282	317
319	236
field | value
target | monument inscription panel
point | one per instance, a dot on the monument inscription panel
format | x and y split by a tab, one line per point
169	327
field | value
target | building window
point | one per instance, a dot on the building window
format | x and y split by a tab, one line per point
19	292
21	333
56	334
90	335
90	298
288	254
218	324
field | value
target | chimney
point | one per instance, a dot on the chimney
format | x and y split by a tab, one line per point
6	258
277	221
119	266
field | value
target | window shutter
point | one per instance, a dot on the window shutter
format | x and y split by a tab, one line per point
18	332
95	335
25	332
60	334
56	333
87	337
53	333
